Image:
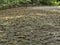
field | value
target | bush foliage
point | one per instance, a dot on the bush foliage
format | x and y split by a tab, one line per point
29	2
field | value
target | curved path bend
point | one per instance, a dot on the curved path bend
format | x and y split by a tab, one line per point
30	26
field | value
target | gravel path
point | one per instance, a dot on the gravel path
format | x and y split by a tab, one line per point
30	10
29	29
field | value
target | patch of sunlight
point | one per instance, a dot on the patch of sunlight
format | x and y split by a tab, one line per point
10	17
50	24
59	6
1	31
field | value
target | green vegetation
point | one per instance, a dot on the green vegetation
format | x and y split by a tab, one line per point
32	2
4	4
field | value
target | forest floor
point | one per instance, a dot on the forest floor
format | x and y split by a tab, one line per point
30	26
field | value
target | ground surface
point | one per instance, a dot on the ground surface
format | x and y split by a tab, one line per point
21	26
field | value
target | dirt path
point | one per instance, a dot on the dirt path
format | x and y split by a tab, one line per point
30	11
17	27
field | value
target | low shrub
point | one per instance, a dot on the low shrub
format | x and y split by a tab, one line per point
12	3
